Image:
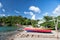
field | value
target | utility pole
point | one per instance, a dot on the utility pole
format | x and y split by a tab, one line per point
54	20
56	26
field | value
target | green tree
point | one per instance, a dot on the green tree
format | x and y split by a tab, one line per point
47	18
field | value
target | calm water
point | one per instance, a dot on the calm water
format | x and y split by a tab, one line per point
7	32
7	29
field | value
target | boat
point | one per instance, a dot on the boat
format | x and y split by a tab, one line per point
28	29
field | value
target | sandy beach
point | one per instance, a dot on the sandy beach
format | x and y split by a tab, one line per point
36	39
34	36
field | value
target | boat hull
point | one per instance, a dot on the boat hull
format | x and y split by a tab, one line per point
37	30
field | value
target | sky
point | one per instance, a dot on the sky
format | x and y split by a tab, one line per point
32	9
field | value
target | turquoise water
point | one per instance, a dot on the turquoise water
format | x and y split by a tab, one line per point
7	29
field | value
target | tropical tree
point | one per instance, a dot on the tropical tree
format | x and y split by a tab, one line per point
48	22
47	18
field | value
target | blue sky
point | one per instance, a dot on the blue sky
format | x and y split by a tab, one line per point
32	9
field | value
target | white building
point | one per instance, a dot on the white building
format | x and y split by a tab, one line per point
40	22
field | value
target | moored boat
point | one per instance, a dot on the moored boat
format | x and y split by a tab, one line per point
37	30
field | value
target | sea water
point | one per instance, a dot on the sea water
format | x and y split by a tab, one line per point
7	28
7	31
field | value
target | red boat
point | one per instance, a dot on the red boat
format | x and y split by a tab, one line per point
37	30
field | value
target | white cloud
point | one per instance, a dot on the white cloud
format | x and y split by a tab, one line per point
2	15
26	12
17	11
33	17
57	11
1	5
3	10
45	14
35	9
40	18
31	13
8	15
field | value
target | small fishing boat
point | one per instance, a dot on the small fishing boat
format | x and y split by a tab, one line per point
37	30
